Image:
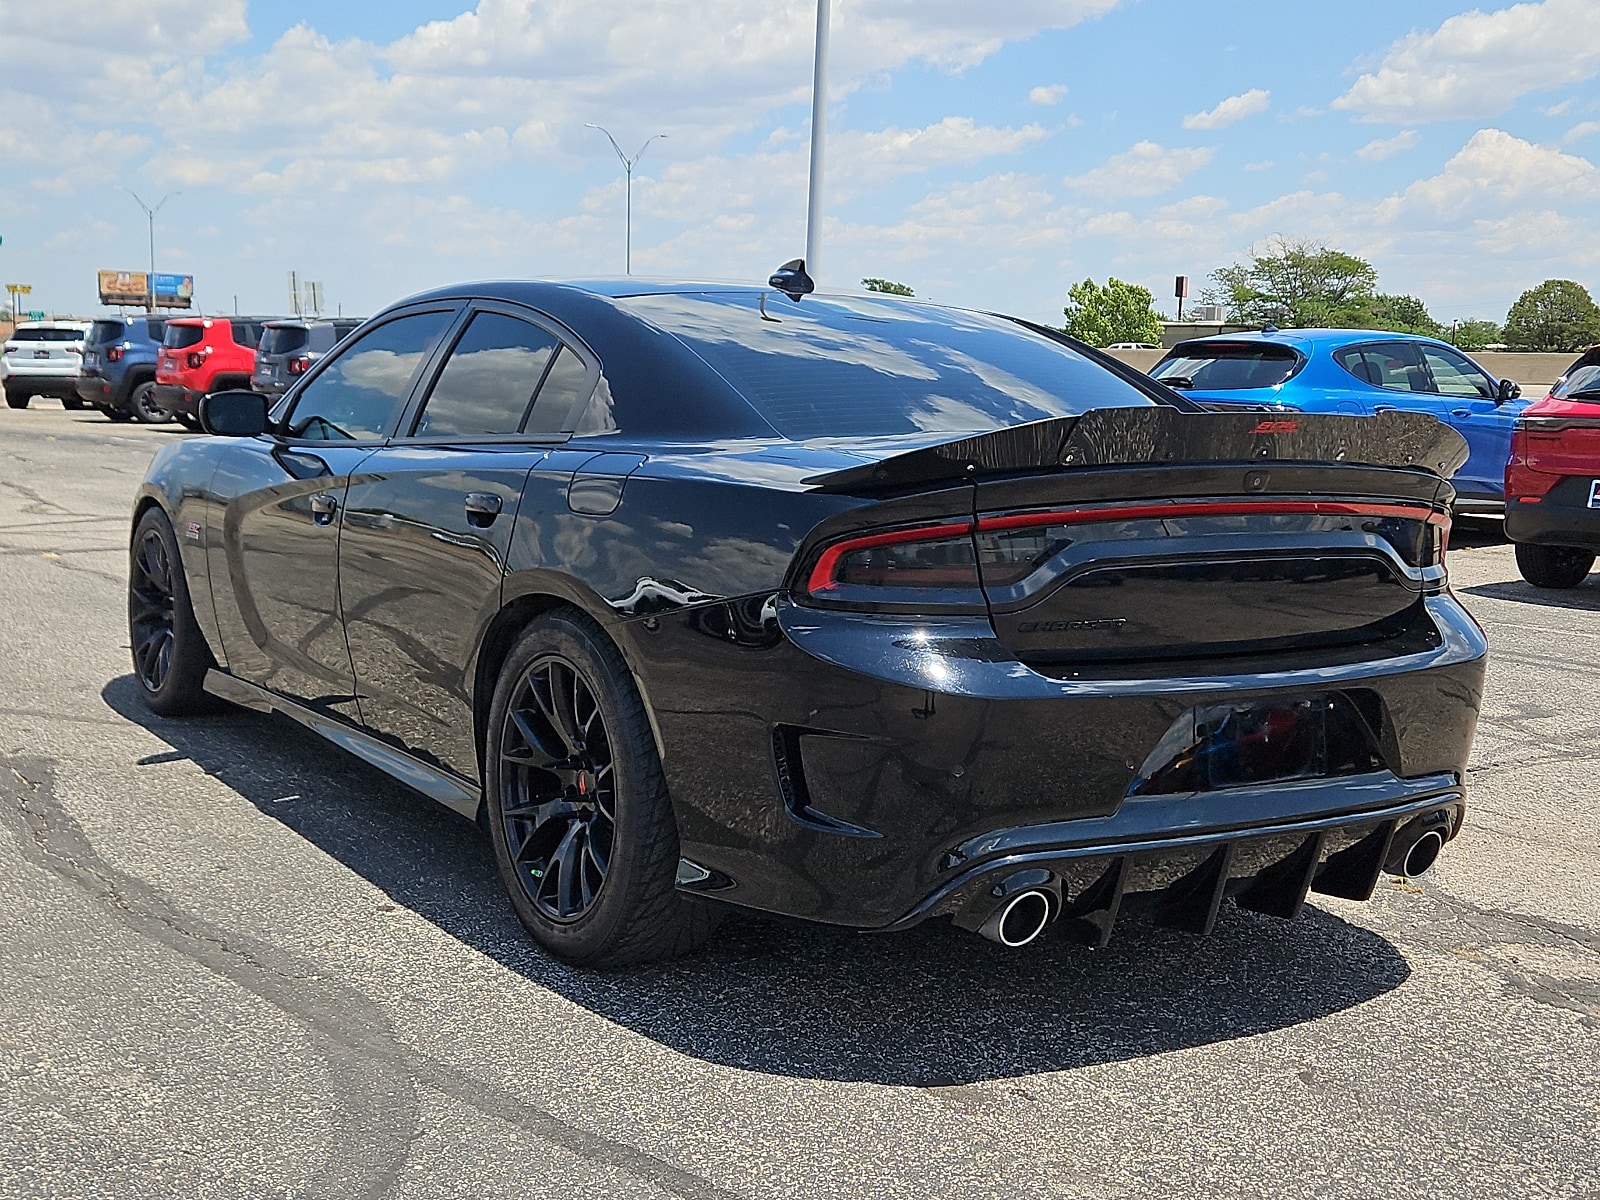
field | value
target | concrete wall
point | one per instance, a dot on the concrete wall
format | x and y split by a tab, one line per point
1535	372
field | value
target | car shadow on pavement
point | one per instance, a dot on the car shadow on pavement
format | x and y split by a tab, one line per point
1586	596
931	1007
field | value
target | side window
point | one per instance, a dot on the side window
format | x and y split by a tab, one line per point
489	380
1453	375
1393	365
359	392
563	388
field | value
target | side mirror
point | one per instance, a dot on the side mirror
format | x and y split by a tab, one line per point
234	414
1507	391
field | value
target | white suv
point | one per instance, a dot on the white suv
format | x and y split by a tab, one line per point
42	358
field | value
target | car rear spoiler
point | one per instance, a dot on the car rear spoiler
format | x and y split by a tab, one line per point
1132	436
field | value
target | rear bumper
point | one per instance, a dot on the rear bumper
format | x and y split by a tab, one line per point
1561	518
178	400
96	389
61	386
874	771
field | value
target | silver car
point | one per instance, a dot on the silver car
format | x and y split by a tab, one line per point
43	358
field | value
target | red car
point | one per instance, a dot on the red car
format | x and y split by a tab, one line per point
200	355
1553	480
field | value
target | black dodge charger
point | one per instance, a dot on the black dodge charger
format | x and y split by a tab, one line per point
853	609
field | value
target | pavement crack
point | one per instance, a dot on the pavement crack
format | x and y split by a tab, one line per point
378	1072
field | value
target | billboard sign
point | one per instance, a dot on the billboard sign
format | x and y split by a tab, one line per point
121	288
174	291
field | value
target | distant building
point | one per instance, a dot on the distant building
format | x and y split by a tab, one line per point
1173	332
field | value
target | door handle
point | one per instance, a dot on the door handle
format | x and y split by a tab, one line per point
482	508
323	506
1378	408
1460	412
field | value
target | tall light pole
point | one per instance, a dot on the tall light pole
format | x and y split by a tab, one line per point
819	137
150	214
627	167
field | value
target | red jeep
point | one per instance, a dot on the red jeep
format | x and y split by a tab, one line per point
200	355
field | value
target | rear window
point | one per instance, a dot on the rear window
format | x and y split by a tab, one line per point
177	337
848	367
246	333
1227	366
1583	381
283	339
102	332
46	335
155	327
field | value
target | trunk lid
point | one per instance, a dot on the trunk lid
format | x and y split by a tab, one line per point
1131	535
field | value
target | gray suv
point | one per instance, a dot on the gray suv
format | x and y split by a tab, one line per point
289	348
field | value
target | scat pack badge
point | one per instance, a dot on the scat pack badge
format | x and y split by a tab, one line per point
192	531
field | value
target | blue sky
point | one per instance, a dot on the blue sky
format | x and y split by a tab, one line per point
988	155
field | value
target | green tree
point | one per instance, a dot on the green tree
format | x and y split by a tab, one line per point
1557	316
1400	314
887	285
1296	284
1475	335
1117	312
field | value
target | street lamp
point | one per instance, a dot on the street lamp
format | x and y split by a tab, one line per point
150	214
627	166
819	133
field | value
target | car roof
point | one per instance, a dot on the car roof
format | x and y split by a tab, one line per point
52	325
1305	339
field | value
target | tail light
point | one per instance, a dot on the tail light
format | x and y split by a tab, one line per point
946	567
114	354
194	360
1524	485
299	366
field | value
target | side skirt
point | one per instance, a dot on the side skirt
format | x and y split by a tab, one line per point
447	789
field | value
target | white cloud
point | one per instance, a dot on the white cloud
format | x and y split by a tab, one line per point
1381	148
1494	170
1047	93
1558	110
1265	164
1581	130
1145	169
1234	108
1478	64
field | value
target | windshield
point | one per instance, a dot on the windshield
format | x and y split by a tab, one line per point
857	367
178	336
1227	366
283	339
102	332
47	335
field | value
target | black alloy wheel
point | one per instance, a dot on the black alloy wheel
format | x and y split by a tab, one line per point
1554	566
558	801
142	405
170	655
576	803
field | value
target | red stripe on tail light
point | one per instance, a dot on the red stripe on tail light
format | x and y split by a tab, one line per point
821	577
1214	508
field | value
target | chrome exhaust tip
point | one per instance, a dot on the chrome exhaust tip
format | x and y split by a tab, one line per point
1422	854
1019	920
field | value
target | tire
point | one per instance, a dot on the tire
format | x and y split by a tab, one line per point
73	403
170	655
1553	566
192	424
583	830
16	399
142	405
118	415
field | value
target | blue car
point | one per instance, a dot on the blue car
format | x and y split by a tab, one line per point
1360	372
118	375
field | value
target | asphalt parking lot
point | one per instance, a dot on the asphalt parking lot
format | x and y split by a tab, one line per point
236	963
